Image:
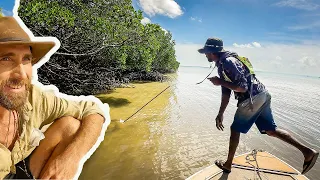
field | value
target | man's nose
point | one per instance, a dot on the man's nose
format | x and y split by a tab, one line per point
20	72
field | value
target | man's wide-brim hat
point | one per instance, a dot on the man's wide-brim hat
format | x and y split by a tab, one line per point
213	45
11	33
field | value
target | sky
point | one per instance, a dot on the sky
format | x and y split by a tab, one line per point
7	7
276	35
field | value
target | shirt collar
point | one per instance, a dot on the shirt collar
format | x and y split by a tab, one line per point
219	62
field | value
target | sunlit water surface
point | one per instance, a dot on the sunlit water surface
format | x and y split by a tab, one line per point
175	135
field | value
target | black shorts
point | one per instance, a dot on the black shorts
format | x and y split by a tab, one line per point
22	170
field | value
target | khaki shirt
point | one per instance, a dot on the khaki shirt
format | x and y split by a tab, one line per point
42	108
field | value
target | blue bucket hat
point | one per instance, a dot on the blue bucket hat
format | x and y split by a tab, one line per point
213	45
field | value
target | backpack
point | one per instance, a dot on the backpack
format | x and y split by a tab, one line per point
246	62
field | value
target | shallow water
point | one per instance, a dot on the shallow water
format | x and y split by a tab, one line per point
175	135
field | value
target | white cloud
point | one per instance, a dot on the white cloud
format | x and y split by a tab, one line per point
278	58
277	62
196	19
270	57
145	21
164	7
256	44
252	45
308	61
242	45
299	4
164	30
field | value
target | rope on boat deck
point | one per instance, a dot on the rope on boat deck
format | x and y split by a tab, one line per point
256	169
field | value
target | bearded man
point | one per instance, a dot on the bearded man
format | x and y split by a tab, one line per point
25	151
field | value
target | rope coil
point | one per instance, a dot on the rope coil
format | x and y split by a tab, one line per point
253	154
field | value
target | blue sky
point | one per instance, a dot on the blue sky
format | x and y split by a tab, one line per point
277	35
285	21
7	6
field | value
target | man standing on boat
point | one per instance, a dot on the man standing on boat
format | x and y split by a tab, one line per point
254	102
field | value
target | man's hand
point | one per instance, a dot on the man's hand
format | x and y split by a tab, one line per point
60	168
215	80
219	120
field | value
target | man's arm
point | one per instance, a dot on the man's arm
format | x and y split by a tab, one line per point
53	107
224	103
91	119
85	138
233	86
66	164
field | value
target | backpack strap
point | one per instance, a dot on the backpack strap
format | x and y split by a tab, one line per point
246	63
226	78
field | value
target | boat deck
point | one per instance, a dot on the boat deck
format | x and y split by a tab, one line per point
246	167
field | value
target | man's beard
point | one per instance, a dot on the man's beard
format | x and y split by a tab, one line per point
11	100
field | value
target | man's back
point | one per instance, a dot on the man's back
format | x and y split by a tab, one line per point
231	69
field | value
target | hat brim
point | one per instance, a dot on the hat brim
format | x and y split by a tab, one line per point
38	49
206	50
202	51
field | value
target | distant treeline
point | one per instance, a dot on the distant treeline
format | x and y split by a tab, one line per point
0	12
103	44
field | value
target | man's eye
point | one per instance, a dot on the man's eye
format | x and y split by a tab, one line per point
28	59
5	59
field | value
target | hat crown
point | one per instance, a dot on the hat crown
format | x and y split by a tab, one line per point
213	45
214	42
10	30
11	33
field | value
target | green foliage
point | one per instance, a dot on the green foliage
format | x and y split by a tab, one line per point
101	43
